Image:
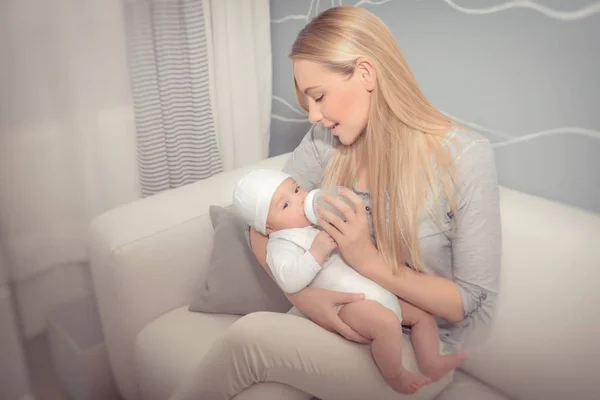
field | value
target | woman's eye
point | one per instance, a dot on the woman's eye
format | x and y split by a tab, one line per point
285	205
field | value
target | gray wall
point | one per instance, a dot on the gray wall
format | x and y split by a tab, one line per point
526	77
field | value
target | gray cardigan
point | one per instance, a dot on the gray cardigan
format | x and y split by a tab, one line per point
471	255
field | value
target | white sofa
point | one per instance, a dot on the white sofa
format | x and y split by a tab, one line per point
148	256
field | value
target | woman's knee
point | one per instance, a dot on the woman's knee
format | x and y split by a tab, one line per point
249	329
268	333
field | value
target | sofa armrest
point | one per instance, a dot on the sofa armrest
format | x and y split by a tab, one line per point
147	257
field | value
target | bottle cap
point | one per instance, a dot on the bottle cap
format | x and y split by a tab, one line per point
309	210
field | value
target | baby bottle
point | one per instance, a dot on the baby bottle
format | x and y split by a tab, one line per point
314	198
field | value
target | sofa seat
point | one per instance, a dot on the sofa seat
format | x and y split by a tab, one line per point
169	348
466	387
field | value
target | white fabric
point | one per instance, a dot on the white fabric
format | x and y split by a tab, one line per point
67	145
149	256
253	194
289	259
294	267
466	387
240	60
167	46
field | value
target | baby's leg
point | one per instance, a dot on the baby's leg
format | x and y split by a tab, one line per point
382	326
425	340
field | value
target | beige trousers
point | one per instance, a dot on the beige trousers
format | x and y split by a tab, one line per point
285	356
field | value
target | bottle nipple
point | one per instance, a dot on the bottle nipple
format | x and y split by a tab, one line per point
309	207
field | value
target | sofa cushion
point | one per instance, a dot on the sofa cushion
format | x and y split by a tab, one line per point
544	338
169	348
235	283
465	387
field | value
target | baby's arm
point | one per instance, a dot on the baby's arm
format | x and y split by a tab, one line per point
292	267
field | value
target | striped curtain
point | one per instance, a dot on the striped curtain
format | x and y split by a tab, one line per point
168	61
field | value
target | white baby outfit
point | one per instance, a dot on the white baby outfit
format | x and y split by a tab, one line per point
294	268
288	255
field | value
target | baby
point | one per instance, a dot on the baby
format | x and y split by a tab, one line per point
300	254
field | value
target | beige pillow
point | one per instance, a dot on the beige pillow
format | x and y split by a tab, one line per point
236	283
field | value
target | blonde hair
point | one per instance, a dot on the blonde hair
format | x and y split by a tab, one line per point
403	144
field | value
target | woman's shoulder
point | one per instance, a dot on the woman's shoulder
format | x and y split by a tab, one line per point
461	140
471	151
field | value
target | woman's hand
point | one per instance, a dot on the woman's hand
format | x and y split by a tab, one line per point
352	233
320	306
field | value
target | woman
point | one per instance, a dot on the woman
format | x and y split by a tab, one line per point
426	225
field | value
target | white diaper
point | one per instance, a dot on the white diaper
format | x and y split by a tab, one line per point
337	275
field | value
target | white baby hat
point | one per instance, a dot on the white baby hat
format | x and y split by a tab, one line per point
253	193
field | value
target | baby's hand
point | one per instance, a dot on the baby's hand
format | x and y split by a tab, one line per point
322	247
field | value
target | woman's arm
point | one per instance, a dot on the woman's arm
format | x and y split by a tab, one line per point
436	295
476	249
476	246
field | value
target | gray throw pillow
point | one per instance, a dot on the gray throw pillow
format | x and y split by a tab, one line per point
235	283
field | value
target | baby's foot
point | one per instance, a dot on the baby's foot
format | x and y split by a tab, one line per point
408	382
441	365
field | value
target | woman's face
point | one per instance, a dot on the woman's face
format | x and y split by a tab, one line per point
338	103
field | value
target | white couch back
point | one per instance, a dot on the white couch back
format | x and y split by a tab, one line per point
545	340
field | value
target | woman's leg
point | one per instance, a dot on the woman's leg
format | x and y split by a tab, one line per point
284	348
272	390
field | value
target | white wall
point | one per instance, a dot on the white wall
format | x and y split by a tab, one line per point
524	73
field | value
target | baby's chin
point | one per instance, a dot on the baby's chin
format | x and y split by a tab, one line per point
305	222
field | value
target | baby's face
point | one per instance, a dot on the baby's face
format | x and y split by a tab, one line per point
287	207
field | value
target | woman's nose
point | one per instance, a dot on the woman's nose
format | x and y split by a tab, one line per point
314	115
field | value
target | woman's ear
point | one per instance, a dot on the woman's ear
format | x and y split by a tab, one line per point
366	73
